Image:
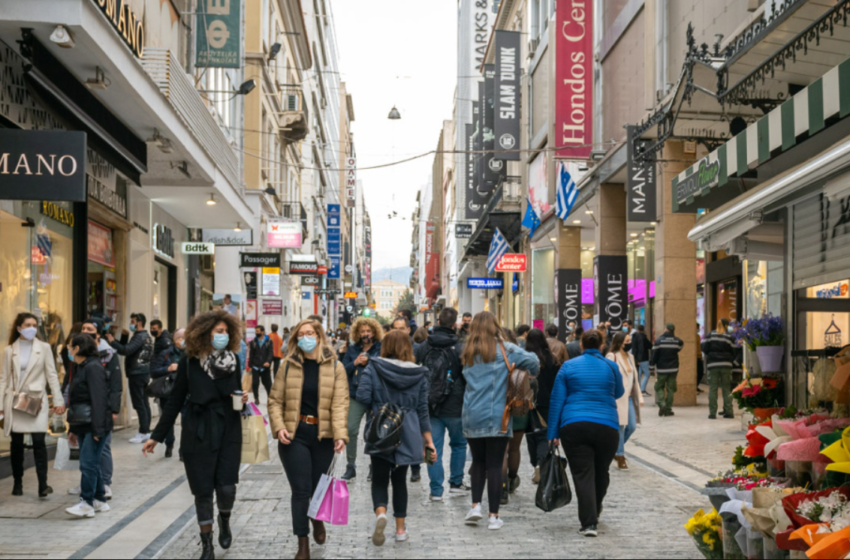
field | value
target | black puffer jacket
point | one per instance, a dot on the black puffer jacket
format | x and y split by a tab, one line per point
88	397
720	351
641	347
446	339
138	353
665	354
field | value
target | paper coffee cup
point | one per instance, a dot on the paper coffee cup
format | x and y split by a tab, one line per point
237	401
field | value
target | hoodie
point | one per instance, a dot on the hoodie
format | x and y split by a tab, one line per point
446	339
404	384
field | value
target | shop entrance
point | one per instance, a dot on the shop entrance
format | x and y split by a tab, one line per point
165	294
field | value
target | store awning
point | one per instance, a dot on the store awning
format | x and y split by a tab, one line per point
508	222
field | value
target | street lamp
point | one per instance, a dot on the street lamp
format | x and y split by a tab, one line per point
394	114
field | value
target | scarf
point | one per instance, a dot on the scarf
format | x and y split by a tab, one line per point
220	364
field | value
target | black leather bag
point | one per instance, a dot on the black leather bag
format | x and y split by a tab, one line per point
79	414
383	434
553	491
161	387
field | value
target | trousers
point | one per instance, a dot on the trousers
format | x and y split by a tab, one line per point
643	368
384	473
457	443
305	460
91	481
39	451
627	431
590	448
264	375
665	391
356	412
226	496
138	384
488	454
720	378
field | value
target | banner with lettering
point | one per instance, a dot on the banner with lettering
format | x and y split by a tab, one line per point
507	114
568	284
574	79
611	278
219	34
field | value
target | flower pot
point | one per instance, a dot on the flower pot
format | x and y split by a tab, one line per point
764	414
776	468
753	362
770	358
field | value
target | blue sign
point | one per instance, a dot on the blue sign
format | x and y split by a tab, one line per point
334	241
334	215
334	269
485	283
515	286
306	296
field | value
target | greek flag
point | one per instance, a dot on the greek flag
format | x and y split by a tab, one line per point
567	192
531	219
498	247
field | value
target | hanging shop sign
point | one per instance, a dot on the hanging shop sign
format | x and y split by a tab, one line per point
328	292
350	295
196	248
463	231
57	213
568	284
485	283
612	294
334	215
706	177
310	281
304	268
100	245
574	79
259	260
334	241
129	26
163	241
640	183
42	165
513	263
272	307
492	168
284	235
472	211
251	287
507	124
271	281
335	270
323	270
350	181
228	237
219	33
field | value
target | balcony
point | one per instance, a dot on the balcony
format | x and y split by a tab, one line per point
511	194
295	211
294	119
180	91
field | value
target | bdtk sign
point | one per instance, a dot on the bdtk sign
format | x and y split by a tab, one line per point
194	248
512	263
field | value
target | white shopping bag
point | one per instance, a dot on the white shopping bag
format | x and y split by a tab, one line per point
322	490
67	459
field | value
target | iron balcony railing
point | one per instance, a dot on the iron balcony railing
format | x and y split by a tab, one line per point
180	91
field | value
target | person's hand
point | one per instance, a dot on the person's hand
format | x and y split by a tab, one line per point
433	452
339	446
244	398
115	418
284	437
125	332
555	442
172	368
96	438
265	365
148	447
110	338
72	440
59	410
361	360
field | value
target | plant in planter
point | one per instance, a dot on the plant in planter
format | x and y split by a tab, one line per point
765	337
760	396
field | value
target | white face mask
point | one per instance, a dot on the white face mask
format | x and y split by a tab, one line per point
28	333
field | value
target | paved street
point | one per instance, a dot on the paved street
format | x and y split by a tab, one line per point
152	512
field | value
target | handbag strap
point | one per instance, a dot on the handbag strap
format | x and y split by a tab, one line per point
506	415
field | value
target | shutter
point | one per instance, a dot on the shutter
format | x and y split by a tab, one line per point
822	240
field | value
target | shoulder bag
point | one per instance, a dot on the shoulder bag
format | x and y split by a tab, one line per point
28	403
383	434
519	400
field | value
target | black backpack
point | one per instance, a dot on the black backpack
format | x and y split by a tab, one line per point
440	375
383	433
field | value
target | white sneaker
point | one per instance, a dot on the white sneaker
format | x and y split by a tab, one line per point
107	492
474	516
378	537
101	507
82	509
402	537
138	438
76	491
495	523
436	498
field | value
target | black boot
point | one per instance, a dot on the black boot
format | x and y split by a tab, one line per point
369	478
225	536
169	452
18	489
208	552
44	489
350	474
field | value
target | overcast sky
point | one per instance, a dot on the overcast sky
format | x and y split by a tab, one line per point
416	41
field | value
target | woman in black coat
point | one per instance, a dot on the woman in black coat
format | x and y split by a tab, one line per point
211	441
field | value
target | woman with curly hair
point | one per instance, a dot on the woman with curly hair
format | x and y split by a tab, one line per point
211	442
366	337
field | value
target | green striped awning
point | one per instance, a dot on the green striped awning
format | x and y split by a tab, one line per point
802	116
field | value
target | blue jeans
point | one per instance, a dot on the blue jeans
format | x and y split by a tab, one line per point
91	453
626	432
106	466
457	442
643	368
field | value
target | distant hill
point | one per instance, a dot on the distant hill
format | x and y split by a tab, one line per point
400	274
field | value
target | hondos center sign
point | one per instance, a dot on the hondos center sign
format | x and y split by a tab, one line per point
42	165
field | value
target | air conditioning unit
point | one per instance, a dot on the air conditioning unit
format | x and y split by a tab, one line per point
292	102
532	46
208	263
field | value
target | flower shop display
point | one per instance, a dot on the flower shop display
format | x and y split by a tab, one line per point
705	528
765	337
761	396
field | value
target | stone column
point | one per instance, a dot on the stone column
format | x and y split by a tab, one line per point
569	247
676	274
611	231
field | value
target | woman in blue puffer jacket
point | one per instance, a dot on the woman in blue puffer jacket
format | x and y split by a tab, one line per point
486	375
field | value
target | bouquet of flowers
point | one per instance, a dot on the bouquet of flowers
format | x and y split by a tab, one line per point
705	528
767	331
759	393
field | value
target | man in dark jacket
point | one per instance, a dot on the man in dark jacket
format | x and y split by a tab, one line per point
640	350
719	349
465	324
162	338
164	364
442	351
260	359
665	360
137	352
574	347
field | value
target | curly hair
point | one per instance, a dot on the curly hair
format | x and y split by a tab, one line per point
199	333
377	330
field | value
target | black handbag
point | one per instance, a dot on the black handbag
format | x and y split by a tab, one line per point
161	387
383	434
79	414
553	491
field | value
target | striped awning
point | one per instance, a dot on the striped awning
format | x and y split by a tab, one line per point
801	117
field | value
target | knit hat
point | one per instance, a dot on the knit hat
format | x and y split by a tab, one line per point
671	327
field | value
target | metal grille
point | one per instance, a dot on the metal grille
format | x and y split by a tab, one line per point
821	240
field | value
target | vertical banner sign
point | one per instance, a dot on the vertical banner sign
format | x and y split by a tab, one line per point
350	181
471	183
612	293
567	299
334	269
250	284
506	125
432	264
368	271
492	169
271	282
219	36
574	80
334	212
640	183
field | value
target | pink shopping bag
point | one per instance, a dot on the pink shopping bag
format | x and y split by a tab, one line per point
339	509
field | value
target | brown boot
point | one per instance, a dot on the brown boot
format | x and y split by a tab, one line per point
319	533
621	463
303	549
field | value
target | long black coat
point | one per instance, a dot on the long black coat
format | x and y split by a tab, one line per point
211	441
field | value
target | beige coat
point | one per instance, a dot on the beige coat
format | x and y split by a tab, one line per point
285	397
41	373
631	381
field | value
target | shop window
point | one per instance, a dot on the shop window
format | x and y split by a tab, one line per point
543	309
726	298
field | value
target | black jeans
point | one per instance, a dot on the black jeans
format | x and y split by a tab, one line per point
488	454
384	472
266	375
590	449
538	446
275	366
226	496
137	385
39	451
305	460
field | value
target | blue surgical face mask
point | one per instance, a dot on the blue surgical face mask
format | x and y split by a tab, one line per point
220	341
29	333
625	329
133	328
308	344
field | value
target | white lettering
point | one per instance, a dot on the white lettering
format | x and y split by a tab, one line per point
50	166
4	164
62	161
22	162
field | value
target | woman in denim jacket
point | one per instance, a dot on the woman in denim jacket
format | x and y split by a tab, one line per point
484	402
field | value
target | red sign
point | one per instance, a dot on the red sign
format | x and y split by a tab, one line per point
574	79
273	307
512	263
37	257
323	270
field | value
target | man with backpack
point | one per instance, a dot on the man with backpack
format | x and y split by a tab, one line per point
441	355
138	353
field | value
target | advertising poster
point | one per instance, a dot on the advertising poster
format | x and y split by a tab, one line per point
250	277
219	35
251	314
228	302
284	235
273	307
100	245
271	282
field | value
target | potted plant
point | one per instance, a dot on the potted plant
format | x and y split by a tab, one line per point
765	337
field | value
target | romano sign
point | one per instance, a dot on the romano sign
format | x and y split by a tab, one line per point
42	165
705	177
130	26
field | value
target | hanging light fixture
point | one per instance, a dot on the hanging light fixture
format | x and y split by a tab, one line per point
394	114
212	201
238	227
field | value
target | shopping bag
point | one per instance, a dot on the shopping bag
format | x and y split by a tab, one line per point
67	458
339	505
248	383
553	491
255	442
319	497
330	501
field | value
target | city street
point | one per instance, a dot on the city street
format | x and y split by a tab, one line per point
153	515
